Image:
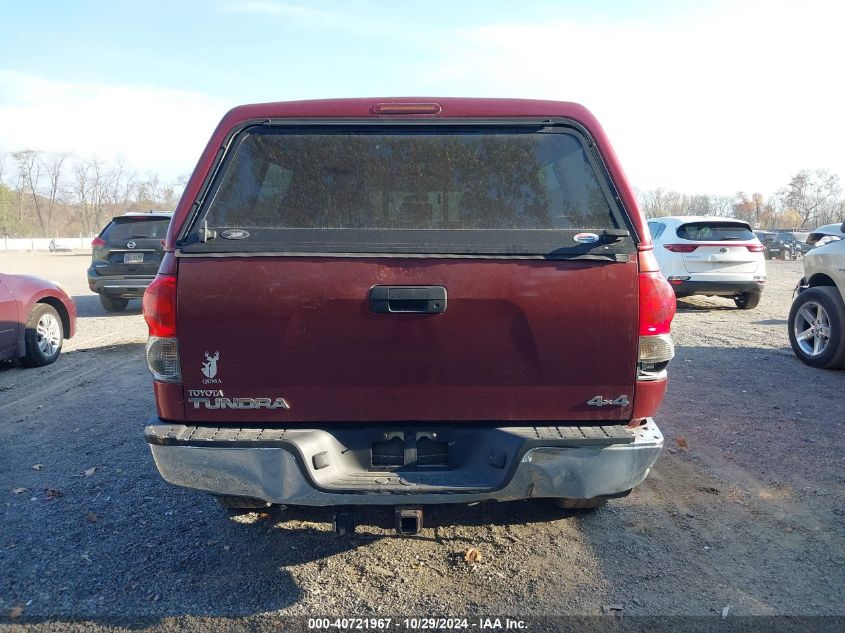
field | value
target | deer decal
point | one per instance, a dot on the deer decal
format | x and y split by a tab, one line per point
209	368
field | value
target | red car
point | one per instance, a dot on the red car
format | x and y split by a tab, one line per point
36	316
407	302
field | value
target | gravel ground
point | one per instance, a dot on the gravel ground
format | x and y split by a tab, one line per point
743	509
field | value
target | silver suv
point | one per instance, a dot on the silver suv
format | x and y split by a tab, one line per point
817	316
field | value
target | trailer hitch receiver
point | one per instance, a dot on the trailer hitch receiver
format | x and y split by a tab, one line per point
409	520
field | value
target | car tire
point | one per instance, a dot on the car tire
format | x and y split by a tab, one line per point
43	336
802	318
581	504
748	300
113	304
241	503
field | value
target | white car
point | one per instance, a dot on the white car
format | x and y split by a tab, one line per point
702	255
817	317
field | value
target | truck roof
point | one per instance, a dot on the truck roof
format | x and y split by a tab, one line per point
450	107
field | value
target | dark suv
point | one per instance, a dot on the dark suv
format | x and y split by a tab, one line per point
126	256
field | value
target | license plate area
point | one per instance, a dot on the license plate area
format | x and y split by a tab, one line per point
409	450
133	258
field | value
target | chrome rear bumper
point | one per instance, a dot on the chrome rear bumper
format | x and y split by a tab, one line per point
314	467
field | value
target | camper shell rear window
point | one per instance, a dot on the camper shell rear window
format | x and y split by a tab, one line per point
523	190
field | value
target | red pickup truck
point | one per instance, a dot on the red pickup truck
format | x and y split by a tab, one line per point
404	302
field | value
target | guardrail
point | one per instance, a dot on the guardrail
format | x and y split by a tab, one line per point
22	244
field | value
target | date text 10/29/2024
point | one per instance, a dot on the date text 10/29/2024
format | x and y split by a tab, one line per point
416	624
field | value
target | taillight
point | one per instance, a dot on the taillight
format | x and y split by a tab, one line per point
657	304
657	308
163	359
97	242
656	350
680	248
755	248
160	314
160	306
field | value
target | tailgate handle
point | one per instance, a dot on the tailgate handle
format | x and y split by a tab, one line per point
408	299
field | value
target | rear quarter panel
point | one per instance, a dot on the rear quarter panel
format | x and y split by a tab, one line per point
828	260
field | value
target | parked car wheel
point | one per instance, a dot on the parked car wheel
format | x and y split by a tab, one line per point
241	503
43	337
748	300
817	327
113	304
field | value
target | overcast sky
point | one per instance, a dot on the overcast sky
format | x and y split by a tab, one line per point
713	98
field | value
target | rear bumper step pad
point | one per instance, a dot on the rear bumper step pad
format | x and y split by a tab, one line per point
185	435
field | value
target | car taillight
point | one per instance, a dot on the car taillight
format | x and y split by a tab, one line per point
755	248
160	306
97	242
657	308
160	314
680	248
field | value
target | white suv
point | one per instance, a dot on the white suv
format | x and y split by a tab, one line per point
702	255
817	317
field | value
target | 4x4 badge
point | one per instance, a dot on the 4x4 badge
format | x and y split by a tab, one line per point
598	401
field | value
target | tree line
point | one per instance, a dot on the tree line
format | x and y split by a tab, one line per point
59	194
52	194
809	200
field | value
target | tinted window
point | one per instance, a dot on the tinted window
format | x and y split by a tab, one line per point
127	229
656	229
714	231
426	180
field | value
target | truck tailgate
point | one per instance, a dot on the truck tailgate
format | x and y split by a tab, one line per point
519	339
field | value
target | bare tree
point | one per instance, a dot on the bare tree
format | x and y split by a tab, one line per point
149	190
5	220
698	204
721	206
123	185
53	165
82	186
814	196
651	202
29	165
758	201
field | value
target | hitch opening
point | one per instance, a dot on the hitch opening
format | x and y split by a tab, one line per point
344	521
409	520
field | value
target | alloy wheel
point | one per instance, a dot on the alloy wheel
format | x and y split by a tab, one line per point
49	335
812	328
